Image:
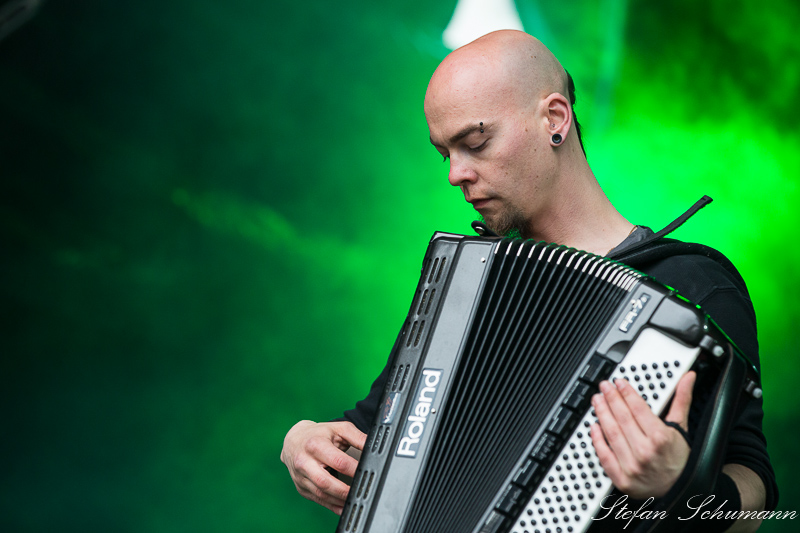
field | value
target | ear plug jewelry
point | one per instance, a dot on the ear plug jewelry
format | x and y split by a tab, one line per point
557	138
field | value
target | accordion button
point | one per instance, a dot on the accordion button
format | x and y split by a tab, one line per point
578	396
544	448
528	474
596	370
510	499
560	424
495	523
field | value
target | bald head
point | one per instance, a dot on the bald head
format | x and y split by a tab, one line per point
500	110
510	66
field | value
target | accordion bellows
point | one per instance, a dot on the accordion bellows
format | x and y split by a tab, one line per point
483	424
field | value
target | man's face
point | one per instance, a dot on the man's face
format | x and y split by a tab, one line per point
503	170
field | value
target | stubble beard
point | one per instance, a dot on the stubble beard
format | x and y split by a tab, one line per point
509	222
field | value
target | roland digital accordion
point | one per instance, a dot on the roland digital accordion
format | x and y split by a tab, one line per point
483	425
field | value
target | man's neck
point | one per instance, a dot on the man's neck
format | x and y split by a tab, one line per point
582	217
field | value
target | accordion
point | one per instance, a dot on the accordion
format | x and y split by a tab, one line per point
483	424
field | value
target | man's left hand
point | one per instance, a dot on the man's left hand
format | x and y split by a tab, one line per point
642	455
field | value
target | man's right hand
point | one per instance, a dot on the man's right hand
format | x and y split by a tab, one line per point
310	447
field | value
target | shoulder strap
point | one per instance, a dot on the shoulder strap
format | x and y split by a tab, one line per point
672	226
657	247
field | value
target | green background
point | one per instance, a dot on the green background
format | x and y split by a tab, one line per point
212	217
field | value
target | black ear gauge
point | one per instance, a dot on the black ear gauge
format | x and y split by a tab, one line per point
557	138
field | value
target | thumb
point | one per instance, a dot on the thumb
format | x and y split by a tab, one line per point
679	411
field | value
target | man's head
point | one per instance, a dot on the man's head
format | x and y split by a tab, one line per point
493	108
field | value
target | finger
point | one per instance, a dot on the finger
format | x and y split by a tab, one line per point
612	431
319	485
346	465
328	455
682	401
349	434
622	413
641	412
327	501
608	460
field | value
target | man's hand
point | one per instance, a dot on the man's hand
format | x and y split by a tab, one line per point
642	456
309	448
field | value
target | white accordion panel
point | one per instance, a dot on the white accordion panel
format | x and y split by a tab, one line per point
571	492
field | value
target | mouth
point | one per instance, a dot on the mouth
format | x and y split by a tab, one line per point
479	203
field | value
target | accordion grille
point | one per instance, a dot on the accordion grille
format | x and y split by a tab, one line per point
542	309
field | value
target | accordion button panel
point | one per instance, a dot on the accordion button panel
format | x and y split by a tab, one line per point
572	491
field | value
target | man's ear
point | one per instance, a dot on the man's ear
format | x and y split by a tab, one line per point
558	113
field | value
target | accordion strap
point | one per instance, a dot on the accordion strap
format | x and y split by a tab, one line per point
656	247
672	226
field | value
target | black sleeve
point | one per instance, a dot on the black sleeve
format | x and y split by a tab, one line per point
363	414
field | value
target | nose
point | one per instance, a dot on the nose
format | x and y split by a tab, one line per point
460	173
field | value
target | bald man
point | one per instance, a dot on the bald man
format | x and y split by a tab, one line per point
499	109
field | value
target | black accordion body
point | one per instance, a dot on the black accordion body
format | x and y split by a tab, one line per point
484	422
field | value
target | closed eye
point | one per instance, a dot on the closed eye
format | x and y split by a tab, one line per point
479	147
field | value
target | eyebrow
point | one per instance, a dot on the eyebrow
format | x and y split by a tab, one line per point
463	133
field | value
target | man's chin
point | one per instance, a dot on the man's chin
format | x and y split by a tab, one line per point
488	222
505	230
